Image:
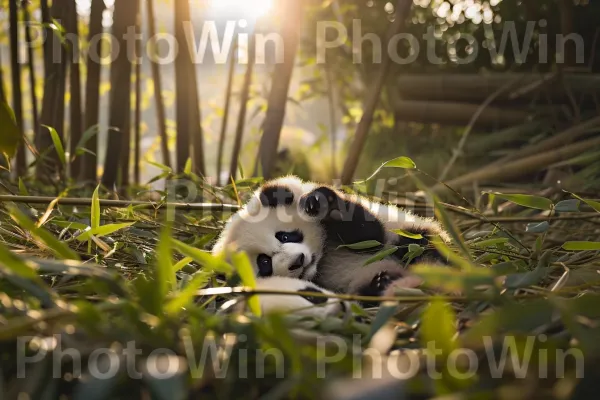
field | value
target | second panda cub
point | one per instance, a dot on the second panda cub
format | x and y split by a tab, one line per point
295	229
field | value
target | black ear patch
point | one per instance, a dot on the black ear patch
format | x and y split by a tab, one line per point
273	196
314	299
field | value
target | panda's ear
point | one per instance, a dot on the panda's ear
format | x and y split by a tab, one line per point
275	196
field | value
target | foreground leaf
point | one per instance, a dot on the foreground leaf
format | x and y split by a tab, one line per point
244	269
581	246
526	200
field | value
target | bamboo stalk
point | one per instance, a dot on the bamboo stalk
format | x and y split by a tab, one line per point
157	81
292	13
559	139
83	202
21	162
137	139
31	64
76	124
92	93
402	11
522	166
225	120
245	95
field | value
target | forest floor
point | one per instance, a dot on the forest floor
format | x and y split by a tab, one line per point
90	276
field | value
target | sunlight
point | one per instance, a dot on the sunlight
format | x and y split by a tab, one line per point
250	9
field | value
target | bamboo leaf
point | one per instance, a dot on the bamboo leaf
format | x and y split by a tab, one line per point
368	244
103	230
571	205
164	277
526	200
581	246
60	249
439	327
381	255
592	203
490	242
540	227
163	167
188	293
95	213
409	235
58	146
400	162
181	264
246	272
207	261
22	188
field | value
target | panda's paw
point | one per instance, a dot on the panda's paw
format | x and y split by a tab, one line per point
381	281
320	202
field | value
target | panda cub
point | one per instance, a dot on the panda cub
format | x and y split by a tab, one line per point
295	229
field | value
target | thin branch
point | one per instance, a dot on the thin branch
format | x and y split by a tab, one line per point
69	201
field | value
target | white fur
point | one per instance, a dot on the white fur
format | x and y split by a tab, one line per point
297	304
253	229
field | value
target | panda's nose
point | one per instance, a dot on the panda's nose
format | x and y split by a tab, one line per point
298	263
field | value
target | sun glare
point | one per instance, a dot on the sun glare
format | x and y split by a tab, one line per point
250	9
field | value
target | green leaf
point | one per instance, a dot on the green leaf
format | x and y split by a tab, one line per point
381	255
186	296
95	212
242	264
526	200
581	246
517	281
164	275
103	230
181	264
22	188
11	135
188	167
10	261
571	205
454	280
400	162
207	261
409	235
87	135
592	203
439	327
368	244
57	144
60	249
386	311
414	251
536	227
163	167
490	242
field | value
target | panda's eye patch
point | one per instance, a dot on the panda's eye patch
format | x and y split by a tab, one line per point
290	237
265	265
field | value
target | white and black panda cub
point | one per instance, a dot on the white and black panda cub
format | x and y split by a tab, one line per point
295	229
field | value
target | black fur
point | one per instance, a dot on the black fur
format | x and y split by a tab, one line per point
345	222
273	196
314	299
430	252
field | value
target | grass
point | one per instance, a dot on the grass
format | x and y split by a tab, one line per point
135	294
